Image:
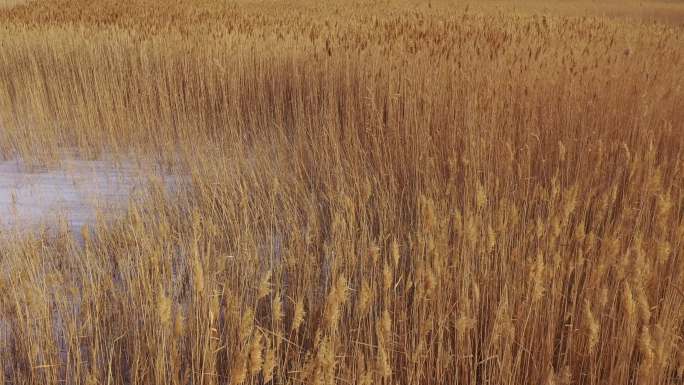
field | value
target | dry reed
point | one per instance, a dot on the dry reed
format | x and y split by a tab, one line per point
376	194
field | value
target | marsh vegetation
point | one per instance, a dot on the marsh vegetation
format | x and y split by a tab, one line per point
374	193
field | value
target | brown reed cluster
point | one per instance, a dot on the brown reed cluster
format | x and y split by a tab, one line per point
373	194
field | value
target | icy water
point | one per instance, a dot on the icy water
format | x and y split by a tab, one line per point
76	191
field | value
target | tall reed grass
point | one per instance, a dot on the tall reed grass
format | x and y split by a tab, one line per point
377	194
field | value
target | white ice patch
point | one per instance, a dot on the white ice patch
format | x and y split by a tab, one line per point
75	191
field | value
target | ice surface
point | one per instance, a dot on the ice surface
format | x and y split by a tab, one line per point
75	191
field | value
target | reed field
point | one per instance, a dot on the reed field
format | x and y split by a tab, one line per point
369	192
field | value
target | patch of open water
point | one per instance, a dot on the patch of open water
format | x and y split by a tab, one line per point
76	191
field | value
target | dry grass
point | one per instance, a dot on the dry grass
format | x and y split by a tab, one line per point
12	3
663	11
377	194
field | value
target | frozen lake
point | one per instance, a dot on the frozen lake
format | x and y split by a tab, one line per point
75	191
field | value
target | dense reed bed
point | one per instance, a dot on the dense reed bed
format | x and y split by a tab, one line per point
376	194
